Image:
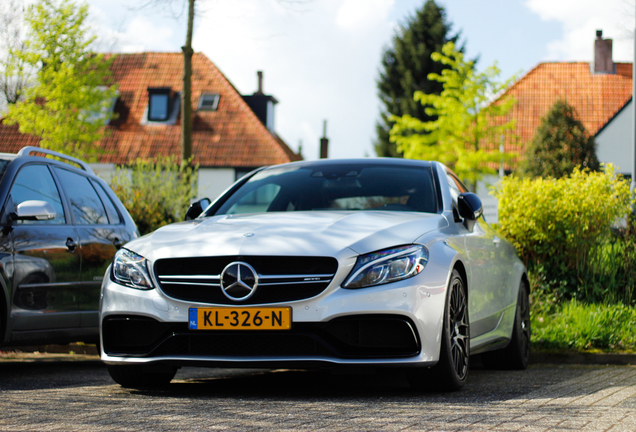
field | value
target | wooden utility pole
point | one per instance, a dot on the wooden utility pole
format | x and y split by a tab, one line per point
186	94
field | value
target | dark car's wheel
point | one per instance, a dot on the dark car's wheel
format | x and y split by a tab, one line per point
451	370
136	376
517	354
3	318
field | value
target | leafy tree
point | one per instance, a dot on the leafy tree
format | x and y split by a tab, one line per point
68	106
405	68
467	127
559	145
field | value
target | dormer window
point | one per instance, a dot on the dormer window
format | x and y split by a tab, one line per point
159	103
209	102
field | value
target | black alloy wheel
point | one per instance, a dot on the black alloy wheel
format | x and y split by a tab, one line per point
516	355
526	331
458	326
451	371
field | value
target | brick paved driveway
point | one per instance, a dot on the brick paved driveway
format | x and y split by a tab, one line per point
81	397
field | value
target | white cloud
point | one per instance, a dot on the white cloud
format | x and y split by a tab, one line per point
319	63
356	15
581	19
143	34
133	29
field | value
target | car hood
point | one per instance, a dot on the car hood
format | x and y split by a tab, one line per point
323	233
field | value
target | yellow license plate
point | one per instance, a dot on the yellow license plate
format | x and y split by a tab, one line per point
239	318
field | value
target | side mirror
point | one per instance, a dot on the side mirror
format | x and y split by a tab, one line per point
196	208
34	210
470	208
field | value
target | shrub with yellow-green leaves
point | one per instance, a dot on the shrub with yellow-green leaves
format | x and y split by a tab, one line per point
155	192
555	224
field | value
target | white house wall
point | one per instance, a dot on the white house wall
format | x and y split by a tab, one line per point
614	141
103	170
213	181
490	204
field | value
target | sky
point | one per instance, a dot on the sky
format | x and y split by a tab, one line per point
321	58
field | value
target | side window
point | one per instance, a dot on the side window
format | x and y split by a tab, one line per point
111	210
35	182
459	184
454	190
86	206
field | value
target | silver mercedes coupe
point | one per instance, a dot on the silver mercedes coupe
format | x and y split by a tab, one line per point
366	262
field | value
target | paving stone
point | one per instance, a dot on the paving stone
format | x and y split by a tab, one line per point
81	397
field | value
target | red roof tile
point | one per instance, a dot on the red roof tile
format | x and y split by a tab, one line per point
596	97
232	136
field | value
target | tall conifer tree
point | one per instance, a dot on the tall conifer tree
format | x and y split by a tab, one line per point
405	68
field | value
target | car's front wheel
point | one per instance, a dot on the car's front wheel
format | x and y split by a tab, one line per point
139	376
451	370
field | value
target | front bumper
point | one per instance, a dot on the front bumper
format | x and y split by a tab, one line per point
389	325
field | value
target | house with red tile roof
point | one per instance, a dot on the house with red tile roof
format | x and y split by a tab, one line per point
232	134
600	91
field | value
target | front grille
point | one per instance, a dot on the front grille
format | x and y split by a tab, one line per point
361	336
281	278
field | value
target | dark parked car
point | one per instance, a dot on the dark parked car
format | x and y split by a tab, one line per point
61	226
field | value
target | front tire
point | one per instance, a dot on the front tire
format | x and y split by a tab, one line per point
135	376
517	354
451	371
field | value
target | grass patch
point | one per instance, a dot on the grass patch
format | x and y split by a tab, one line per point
585	327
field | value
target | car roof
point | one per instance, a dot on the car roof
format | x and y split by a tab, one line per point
355	162
8	156
40	154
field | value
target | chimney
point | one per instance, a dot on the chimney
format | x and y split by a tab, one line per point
603	62
324	142
260	83
262	104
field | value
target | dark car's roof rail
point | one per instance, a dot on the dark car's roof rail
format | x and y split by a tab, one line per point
26	151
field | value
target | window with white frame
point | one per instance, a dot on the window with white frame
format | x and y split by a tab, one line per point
209	102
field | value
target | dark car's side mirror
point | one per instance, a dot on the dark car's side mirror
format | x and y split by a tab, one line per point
196	208
470	208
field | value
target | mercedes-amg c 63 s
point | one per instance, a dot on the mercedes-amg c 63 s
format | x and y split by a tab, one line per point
369	262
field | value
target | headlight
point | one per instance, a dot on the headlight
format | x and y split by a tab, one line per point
131	270
388	265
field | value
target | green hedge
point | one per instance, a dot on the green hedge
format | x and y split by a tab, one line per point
562	230
155	192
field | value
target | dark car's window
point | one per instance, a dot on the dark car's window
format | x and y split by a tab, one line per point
86	206
4	163
35	182
111	210
338	187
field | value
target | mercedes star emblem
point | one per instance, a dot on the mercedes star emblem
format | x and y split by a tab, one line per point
239	281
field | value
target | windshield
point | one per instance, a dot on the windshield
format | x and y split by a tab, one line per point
338	187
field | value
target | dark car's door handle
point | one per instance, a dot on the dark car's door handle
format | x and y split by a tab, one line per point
118	243
71	244
496	241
